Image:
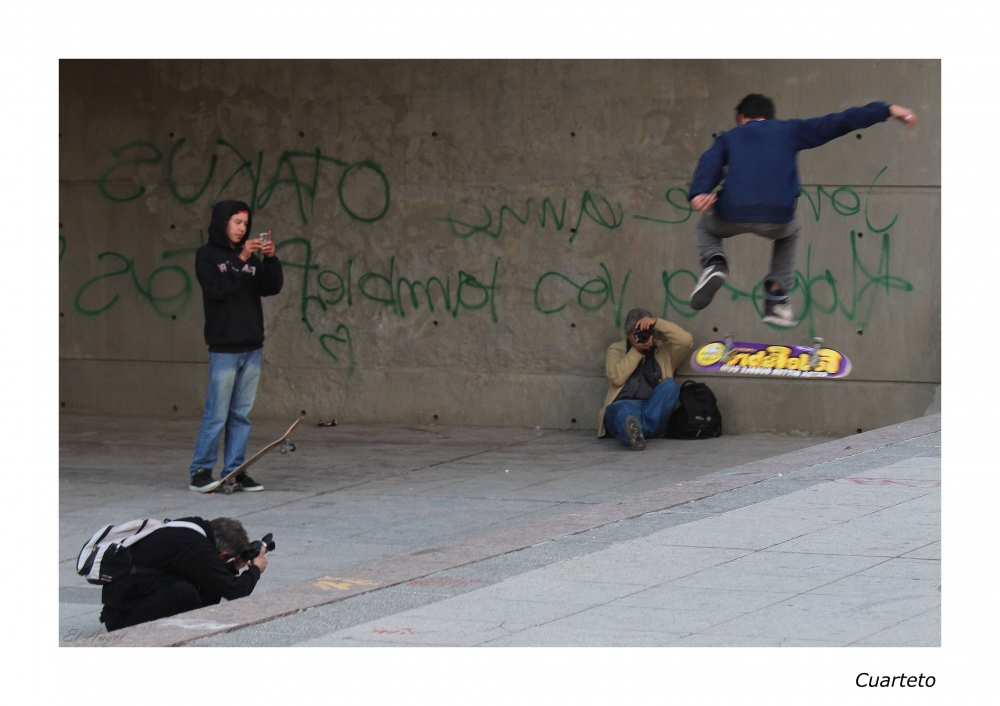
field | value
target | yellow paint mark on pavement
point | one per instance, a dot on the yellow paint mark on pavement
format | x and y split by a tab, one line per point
341	584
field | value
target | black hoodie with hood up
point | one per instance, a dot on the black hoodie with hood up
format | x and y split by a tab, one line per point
231	289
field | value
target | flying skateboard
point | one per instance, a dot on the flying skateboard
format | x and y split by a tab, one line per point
770	360
228	484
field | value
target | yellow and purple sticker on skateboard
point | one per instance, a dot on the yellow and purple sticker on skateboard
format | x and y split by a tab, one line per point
764	359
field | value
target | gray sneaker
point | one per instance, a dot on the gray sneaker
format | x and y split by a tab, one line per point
633	430
712	278
778	311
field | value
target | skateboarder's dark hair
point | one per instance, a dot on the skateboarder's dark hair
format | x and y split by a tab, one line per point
756	105
230	536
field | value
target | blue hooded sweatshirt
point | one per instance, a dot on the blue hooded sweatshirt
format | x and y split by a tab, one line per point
758	160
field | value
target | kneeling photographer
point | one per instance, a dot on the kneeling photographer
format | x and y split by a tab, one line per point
178	568
641	386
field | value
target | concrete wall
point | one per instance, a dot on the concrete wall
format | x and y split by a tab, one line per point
457	173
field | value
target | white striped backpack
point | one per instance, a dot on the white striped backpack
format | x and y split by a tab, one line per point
106	556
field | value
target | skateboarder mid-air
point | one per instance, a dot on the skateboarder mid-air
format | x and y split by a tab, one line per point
757	159
233	278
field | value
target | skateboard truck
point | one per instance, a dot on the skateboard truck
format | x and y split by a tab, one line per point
814	356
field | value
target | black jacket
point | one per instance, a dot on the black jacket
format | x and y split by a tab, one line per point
231	289
186	554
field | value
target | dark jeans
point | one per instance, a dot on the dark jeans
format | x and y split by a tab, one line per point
171	595
653	413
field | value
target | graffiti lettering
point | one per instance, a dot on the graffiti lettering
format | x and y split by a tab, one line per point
856	308
597	208
299	170
597	287
160	302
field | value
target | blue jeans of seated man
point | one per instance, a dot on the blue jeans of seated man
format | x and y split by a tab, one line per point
653	413
232	387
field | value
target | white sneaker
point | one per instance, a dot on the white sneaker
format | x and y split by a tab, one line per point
778	311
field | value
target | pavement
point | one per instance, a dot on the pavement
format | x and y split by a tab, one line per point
467	536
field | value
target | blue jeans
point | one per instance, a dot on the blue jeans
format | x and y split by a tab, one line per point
653	413
232	387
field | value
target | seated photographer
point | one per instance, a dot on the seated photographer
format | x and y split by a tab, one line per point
178	569
641	386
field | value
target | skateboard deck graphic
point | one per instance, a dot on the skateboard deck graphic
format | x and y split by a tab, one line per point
228	484
771	360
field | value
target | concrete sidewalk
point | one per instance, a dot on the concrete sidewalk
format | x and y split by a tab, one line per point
530	537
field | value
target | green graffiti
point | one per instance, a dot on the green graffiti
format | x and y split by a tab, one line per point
371	166
344	339
334	287
598	287
426	287
307	266
170	175
856	307
868	222
590	206
841	207
467	281
159	302
299	170
117	153
684	206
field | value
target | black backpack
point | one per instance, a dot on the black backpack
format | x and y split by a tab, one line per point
698	416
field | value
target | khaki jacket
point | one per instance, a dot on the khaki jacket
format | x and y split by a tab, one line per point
619	365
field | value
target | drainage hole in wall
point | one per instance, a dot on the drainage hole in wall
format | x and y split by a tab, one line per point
60	225
572	134
572	230
861	235
572	325
173	317
573	420
434	134
435	417
858	136
715	134
303	413
171	134
62	404
61	314
860	332
715	329
859	430
175	408
172	226
301	134
435	323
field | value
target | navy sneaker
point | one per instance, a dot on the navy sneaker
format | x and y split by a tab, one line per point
778	311
201	478
633	430
708	284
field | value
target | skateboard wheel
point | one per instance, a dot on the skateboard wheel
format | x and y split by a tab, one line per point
227	488
283	450
291	446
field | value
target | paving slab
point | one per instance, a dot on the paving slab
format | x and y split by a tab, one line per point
446	538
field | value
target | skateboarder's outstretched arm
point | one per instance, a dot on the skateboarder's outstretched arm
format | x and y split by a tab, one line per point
813	132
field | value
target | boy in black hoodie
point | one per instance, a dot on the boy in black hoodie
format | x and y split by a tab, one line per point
233	278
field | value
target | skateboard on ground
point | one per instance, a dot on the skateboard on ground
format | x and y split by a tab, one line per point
228	484
771	360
